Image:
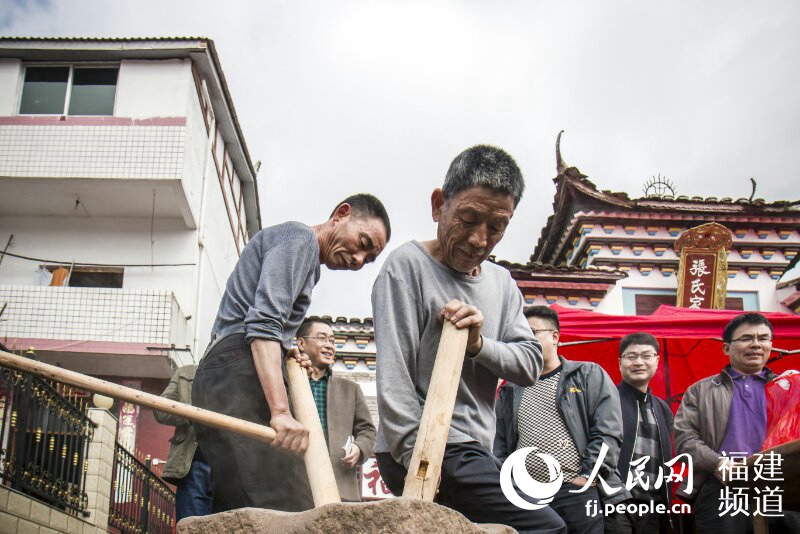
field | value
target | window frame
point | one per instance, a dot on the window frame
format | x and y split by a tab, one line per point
89	269
68	94
750	299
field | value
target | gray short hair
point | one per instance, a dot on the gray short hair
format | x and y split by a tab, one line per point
484	166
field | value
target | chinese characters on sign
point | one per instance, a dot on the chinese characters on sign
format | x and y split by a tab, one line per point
698	280
766	501
703	269
128	419
372	485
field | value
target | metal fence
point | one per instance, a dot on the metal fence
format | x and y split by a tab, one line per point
140	501
44	439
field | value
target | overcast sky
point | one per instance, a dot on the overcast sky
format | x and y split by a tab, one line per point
350	96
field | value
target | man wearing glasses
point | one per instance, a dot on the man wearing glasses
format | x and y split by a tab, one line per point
343	411
647	431
569	413
725	415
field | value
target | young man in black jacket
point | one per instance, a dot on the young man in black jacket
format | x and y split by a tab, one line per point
647	431
568	414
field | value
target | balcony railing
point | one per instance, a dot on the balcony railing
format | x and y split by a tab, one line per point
140	501
44	440
80	314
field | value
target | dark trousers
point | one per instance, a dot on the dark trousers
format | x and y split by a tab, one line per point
571	507
245	472
471	485
193	492
628	523
708	521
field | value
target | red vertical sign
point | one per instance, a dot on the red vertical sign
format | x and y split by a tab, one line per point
699	279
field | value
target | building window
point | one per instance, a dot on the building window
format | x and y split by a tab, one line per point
69	90
647	301
86	276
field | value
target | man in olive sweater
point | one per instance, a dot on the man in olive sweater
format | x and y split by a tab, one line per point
186	467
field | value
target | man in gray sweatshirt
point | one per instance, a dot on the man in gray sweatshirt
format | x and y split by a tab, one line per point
241	374
446	279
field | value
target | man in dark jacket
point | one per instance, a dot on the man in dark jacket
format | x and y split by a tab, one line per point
647	432
186	467
569	413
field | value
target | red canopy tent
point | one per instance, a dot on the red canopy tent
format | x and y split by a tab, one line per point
691	343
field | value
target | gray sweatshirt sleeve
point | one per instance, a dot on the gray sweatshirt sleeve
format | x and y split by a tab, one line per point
285	270
397	336
517	357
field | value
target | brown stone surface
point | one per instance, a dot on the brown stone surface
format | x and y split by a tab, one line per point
400	516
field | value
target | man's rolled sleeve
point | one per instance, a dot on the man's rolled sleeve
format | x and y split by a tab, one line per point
284	272
517	357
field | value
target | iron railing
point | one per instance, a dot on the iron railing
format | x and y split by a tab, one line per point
45	432
140	501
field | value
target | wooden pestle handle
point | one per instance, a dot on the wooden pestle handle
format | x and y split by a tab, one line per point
422	479
318	461
95	385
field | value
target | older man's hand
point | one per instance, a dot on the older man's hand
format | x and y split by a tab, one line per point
290	434
465	316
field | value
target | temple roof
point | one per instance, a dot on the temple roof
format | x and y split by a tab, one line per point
533	269
576	193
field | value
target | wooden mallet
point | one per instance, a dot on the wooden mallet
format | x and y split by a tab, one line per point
422	479
318	465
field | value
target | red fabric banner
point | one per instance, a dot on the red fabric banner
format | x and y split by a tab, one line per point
690	340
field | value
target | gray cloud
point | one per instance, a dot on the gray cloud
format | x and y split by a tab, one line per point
338	97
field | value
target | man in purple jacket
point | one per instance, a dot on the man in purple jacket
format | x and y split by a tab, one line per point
725	416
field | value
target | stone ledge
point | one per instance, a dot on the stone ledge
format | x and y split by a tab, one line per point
390	516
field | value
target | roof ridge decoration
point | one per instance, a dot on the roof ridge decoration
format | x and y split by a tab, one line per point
707	236
576	194
560	165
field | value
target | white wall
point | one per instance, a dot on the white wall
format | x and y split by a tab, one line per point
196	152
104	240
97	151
10	70
218	256
153	88
762	285
146	89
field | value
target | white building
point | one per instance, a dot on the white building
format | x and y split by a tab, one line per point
122	161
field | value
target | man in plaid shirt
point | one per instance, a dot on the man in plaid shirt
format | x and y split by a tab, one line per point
647	432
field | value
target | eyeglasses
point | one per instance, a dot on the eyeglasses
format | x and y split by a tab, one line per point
536	331
322	339
645	356
746	340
